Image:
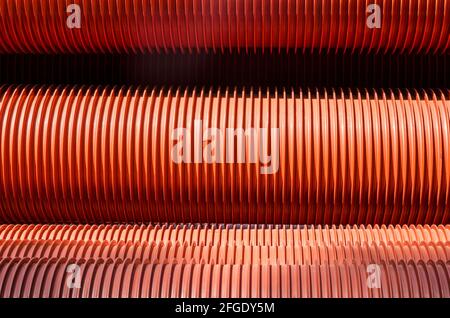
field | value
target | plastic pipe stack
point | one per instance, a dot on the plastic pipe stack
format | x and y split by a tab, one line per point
306	192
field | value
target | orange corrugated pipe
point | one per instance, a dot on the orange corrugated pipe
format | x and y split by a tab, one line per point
108	278
128	26
159	253
223	261
235	245
239	234
90	154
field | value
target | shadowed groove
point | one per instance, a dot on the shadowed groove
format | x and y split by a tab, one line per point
276	71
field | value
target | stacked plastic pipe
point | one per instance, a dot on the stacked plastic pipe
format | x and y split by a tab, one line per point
110	155
129	26
321	192
224	261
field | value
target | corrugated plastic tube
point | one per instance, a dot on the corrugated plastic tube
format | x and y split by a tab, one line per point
128	26
231	244
238	234
236	261
90	155
107	278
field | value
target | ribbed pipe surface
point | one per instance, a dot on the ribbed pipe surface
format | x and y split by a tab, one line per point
130	26
160	253
71	154
25	277
221	234
234	245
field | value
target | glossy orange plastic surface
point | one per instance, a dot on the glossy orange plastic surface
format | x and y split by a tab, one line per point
90	155
129	26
